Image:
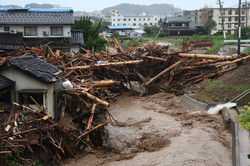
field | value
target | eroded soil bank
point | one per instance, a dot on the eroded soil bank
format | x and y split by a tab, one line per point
157	130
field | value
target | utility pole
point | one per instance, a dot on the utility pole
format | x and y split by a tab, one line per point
222	20
239	28
246	12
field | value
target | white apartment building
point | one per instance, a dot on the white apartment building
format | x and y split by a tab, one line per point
230	18
134	21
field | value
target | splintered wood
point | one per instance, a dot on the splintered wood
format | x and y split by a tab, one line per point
96	79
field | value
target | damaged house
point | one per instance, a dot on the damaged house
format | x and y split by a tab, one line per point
20	26
22	77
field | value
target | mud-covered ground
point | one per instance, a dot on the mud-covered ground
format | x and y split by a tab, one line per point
157	130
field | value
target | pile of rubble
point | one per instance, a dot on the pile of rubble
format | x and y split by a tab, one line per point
91	81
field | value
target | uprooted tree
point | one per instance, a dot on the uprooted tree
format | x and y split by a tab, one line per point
90	34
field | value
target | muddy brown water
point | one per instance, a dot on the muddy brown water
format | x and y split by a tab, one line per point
157	130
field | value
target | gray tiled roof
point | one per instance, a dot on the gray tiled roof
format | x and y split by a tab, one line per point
4	81
34	67
76	37
31	16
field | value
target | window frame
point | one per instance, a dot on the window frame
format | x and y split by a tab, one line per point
57	34
29	28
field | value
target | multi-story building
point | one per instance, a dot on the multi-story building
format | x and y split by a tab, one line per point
230	18
138	21
198	16
110	14
38	26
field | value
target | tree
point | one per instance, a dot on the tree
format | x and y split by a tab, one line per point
90	34
209	25
151	31
102	26
245	32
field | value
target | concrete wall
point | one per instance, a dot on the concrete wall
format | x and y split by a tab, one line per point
190	103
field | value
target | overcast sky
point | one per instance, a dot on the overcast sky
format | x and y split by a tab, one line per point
91	5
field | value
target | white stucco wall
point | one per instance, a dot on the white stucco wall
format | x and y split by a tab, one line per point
75	49
24	81
40	29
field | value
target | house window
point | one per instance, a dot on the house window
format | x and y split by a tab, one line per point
134	19
243	12
113	19
139	23
129	19
242	18
57	31
135	35
236	12
124	24
151	24
145	24
230	12
155	23
229	31
134	24
118	19
229	25
139	19
124	19
113	24
236	19
30	31
143	19
148	19
24	98
229	19
118	24
6	29
155	19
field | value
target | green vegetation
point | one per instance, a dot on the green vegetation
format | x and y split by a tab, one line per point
245	32
90	34
151	31
104	23
245	119
214	91
132	43
209	25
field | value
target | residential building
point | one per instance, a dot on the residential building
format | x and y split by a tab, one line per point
108	16
122	30
137	22
26	76
177	26
38	26
198	16
177	13
136	33
230	17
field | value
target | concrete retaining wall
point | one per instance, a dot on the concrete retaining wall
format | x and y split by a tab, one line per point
190	103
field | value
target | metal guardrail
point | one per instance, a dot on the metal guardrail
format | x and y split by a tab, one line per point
235	41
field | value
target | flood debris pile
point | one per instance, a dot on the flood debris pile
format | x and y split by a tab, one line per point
91	81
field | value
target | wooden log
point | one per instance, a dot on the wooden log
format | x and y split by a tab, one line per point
37	104
94	129
4	152
100	83
205	56
94	98
87	95
152	57
24	107
106	64
213	74
91	116
234	61
119	46
184	48
163	72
